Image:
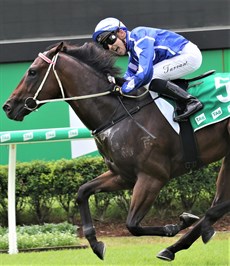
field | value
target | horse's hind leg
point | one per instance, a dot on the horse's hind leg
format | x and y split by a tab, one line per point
211	216
106	182
145	191
222	194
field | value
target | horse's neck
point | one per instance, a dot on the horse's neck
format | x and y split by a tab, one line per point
80	79
93	112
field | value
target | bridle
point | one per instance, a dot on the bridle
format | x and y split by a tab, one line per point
52	64
34	102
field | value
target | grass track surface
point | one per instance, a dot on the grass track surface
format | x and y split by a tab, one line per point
131	251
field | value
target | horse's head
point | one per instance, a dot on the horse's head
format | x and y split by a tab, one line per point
35	85
65	73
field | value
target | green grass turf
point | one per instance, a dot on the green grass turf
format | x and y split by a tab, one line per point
131	251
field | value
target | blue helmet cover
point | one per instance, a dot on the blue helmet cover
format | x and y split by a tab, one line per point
108	24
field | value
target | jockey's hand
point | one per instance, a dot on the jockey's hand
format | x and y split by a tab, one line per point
115	90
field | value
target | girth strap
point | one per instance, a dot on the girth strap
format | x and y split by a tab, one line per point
191	156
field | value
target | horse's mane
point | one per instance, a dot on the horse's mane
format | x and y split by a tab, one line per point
91	54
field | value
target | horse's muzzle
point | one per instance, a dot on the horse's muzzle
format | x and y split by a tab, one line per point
6	108
12	113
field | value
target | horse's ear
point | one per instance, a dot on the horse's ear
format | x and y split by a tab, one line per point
59	47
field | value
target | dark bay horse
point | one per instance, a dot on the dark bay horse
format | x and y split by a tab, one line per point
141	149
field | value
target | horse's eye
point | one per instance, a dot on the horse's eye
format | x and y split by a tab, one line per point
31	72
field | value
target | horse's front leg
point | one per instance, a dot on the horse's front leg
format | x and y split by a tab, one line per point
145	191
106	182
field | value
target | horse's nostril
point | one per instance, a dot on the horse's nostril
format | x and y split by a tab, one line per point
6	108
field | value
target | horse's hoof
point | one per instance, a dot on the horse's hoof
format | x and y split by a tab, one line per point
208	234
188	219
99	249
166	254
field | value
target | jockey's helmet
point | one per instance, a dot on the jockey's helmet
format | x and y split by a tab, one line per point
105	30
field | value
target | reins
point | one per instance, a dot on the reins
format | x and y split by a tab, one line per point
35	102
135	121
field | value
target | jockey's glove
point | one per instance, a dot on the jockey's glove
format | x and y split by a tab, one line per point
115	90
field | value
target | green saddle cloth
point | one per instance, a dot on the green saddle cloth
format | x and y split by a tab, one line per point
214	92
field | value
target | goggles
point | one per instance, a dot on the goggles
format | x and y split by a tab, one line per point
107	38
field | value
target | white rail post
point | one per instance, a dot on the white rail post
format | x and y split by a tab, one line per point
11	201
12	138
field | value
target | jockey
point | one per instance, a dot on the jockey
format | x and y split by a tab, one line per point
155	55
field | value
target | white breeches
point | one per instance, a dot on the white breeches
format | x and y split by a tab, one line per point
187	62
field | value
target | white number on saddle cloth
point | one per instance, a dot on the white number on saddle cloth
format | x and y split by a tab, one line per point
220	82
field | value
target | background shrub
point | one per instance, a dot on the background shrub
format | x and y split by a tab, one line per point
47	235
3	194
35	186
42	187
66	182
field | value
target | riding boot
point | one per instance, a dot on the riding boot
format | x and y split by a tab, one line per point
173	91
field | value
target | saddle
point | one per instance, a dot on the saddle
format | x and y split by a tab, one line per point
130	106
184	83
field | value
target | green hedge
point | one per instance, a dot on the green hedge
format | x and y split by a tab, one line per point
47	235
40	185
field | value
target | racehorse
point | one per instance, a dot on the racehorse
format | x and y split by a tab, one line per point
139	146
